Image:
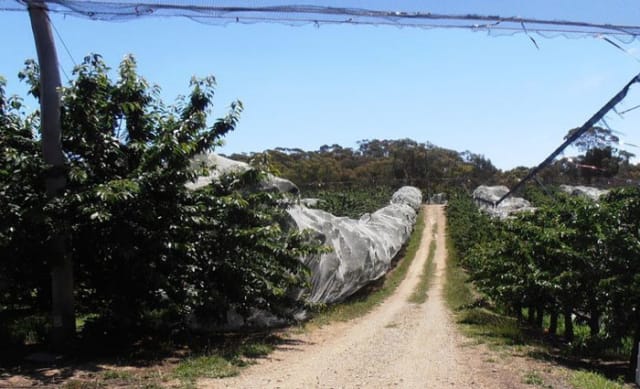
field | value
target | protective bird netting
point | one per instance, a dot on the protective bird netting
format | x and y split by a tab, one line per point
361	249
619	18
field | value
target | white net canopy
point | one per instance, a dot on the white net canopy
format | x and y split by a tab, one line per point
619	18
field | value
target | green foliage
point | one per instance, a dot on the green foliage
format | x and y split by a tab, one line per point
419	295
477	320
80	384
590	380
378	164
457	291
224	362
572	257
593	138
533	378
468	225
23	328
353	202
21	199
140	241
123	375
601	158
256	349
213	366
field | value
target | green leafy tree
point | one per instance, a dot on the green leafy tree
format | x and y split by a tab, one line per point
141	242
601	157
22	198
620	284
572	257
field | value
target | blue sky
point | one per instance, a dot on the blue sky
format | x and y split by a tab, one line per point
305	86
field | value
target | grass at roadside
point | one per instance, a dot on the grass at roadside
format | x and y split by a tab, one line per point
457	292
589	380
363	303
224	360
485	325
419	295
471	309
119	379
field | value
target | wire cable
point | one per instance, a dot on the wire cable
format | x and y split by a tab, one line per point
624	50
66	48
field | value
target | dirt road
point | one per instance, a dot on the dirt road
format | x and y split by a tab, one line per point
399	344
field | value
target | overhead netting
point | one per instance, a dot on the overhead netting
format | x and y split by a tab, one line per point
620	18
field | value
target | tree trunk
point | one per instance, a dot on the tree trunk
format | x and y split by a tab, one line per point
531	315
594	323
518	310
553	323
539	316
63	317
568	325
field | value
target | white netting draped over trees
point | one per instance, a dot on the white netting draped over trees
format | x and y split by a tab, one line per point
620	18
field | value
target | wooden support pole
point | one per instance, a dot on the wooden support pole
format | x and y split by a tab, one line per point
638	369
63	315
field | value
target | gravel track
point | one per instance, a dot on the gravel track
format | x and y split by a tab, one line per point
398	344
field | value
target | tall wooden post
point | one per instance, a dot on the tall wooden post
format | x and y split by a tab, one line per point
63	315
638	368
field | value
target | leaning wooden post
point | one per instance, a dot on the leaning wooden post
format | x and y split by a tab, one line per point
63	316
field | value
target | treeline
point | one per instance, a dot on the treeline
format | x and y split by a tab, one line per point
571	264
393	163
380	163
608	172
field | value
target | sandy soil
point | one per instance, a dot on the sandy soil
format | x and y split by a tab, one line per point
399	344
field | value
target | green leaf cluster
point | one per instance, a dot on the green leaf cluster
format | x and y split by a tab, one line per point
353	202
573	258
140	241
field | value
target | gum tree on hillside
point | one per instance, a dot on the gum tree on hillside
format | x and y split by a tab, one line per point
601	157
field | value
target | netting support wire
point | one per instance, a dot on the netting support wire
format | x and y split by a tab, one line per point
544	188
530	37
112	9
630	109
617	46
575	135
